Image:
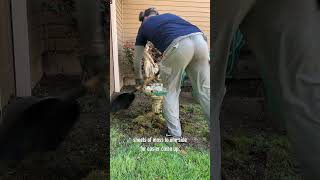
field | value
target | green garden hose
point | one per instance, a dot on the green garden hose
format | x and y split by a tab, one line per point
237	43
234	54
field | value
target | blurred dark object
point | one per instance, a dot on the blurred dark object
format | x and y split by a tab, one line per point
33	124
122	101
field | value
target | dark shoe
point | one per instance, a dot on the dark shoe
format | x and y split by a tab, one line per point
168	134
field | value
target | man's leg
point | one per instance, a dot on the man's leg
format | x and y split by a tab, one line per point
199	73
286	43
229	14
171	71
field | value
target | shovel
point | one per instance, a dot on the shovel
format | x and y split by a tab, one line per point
124	100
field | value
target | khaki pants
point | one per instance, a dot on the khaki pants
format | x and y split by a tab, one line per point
191	55
284	35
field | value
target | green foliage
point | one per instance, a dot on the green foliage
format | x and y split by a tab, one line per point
128	50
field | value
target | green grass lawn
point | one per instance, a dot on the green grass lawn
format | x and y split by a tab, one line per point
129	162
248	152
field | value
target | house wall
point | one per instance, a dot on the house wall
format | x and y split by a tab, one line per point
195	11
7	80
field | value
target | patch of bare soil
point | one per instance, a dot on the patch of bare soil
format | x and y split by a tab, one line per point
253	146
139	121
83	154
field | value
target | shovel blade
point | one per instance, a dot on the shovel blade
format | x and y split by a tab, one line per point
122	101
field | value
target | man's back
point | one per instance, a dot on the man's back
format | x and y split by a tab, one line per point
162	29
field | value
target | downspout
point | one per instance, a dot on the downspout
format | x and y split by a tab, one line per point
114	40
21	52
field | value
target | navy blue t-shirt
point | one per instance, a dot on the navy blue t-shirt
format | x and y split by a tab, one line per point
162	29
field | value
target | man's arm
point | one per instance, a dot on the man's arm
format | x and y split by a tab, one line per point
141	42
138	54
